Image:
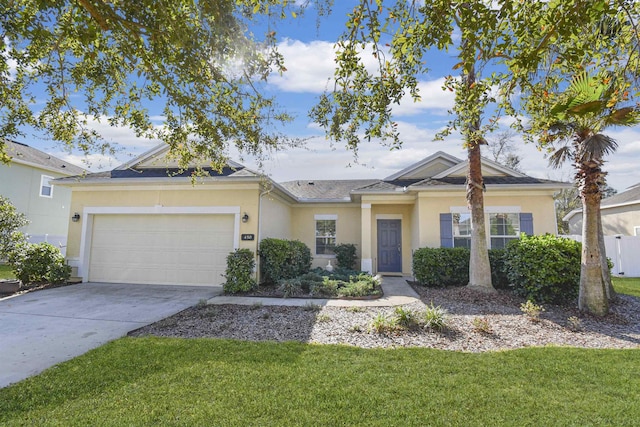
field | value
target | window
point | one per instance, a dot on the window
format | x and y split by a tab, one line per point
503	228
461	230
636	230
46	189
325	234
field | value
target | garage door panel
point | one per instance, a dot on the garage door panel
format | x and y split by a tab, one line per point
161	249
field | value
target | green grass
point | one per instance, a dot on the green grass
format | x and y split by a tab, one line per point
627	285
5	272
161	381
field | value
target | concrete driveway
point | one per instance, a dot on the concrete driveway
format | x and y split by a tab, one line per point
43	328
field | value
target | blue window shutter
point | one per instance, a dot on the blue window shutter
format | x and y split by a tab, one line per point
526	223
446	230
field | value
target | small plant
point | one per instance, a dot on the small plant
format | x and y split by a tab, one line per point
266	315
532	310
404	318
356	309
355	328
435	318
202	303
256	305
290	288
311	307
574	323
381	324
323	318
482	325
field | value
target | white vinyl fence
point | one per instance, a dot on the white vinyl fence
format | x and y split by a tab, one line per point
624	252
58	241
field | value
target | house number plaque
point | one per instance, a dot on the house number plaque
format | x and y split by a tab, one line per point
248	236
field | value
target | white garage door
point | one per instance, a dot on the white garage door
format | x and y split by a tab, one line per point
160	249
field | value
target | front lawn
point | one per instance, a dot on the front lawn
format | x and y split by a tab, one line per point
6	272
161	381
627	285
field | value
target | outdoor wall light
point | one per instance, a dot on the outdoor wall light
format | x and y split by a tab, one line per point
75	217
245	217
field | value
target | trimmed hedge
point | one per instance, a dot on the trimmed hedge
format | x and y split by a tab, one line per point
450	267
544	268
239	272
283	259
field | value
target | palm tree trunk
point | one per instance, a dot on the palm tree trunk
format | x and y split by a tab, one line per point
479	267
593	295
606	273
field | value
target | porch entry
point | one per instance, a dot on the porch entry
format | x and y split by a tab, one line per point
390	245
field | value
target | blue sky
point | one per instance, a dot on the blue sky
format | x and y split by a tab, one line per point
308	52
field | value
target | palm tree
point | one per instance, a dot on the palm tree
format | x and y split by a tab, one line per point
586	108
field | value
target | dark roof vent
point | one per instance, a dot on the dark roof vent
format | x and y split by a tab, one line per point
312	183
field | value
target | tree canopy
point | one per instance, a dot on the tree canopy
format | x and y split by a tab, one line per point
64	64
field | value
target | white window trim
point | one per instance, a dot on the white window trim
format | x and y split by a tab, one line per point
487	209
636	230
42	180
323	217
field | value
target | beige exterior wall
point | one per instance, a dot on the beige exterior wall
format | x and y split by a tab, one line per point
348	230
275	217
48	215
539	203
621	220
244	196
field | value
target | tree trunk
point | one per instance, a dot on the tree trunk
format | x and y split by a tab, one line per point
606	273
479	267
593	295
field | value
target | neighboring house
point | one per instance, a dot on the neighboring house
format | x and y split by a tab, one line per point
620	214
27	182
147	222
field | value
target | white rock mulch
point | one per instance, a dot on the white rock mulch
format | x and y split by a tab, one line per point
509	327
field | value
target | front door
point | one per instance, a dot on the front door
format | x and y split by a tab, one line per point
390	245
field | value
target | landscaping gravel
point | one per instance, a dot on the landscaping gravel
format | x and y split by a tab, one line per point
507	326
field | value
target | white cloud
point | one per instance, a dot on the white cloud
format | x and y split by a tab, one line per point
309	66
432	98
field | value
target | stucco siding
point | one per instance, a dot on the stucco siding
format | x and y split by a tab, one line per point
176	196
348	229
275	218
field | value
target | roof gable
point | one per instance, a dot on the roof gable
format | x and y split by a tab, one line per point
158	157
427	167
489	168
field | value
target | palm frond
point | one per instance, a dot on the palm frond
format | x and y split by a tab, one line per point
627	116
596	147
560	156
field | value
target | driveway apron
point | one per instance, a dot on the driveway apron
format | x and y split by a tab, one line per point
43	328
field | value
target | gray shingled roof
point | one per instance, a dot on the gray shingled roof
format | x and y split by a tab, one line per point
23	152
488	180
325	189
630	195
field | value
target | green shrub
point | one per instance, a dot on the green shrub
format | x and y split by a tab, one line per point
283	259
544	269
441	266
239	272
38	263
327	287
359	286
345	255
450	267
499	277
10	222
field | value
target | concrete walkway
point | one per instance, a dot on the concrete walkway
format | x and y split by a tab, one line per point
396	291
